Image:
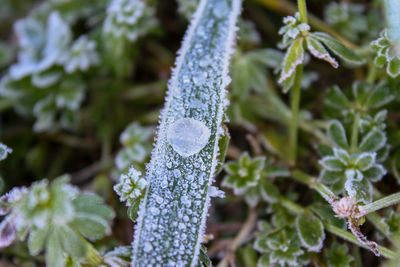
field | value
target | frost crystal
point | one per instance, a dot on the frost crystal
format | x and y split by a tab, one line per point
188	136
131	186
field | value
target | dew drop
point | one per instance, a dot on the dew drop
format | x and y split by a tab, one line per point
188	136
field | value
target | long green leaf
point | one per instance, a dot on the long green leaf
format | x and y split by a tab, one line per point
173	213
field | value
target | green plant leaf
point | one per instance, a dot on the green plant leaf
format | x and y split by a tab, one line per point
337	255
294	57
337	134
373	141
359	191
338	49
319	51
36	240
72	243
55	256
311	232
332	163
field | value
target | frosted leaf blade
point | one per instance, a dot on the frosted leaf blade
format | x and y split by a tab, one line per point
173	213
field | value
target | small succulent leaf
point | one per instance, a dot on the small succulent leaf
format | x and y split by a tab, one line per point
252	196
365	160
337	255
393	222
375	173
293	57
332	163
342	155
133	210
288	83
311	232
324	150
269	191
55	256
263	261
380	96
325	212
336	99
359	191
36	240
71	241
337	134
330	177
275	170
393	68
353	174
319	51
338	49
373	141
383	153
91	226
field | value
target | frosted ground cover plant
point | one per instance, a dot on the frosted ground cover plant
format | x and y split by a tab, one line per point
172	216
312	171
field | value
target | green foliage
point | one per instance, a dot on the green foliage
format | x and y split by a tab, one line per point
387	54
347	18
81	87
131	189
135	146
338	256
55	217
243	174
349	169
298	39
279	247
311	232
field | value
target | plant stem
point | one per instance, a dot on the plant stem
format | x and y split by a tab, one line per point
297	210
293	127
301	5
354	132
312	182
387	253
242	235
380	204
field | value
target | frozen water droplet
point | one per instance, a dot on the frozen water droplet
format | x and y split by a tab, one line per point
177	173
147	247
188	136
154	211
164	183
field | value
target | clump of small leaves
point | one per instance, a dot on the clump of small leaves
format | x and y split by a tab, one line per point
131	190
387	54
55	217
297	39
347	18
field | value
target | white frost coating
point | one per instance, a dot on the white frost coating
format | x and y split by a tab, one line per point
178	185
188	136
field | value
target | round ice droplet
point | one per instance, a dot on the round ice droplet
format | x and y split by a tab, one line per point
188	136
